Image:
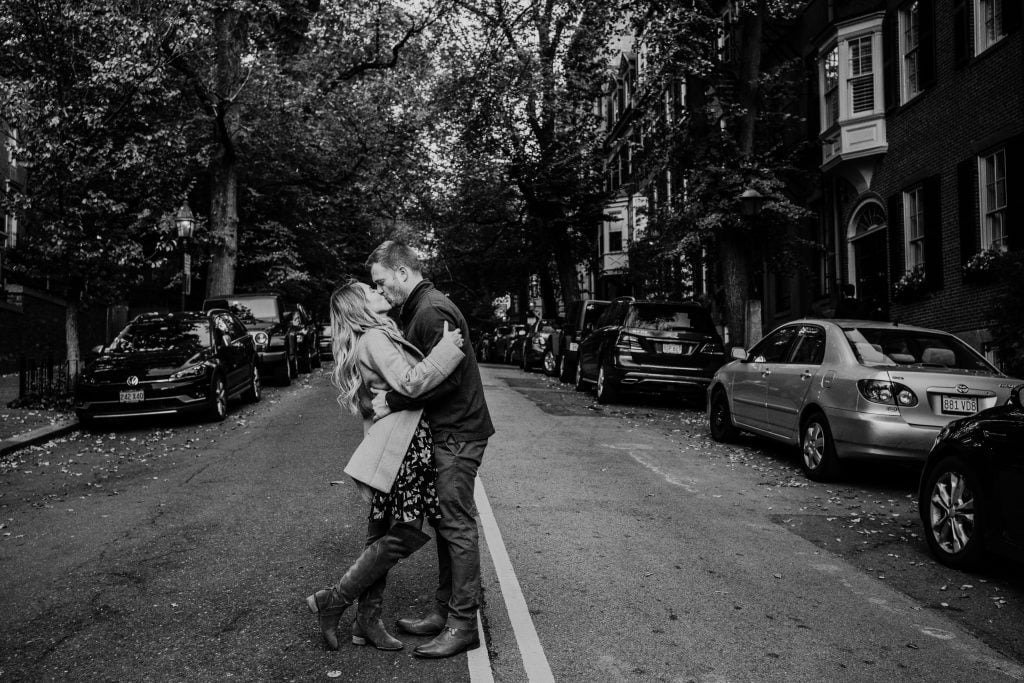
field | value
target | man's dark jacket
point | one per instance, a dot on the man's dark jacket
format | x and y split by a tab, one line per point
457	407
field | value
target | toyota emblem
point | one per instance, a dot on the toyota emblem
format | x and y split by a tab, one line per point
133	381
962	388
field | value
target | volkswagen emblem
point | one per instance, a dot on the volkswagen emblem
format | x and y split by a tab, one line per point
962	388
134	381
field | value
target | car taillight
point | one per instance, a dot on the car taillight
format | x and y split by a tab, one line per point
887	393
628	342
713	348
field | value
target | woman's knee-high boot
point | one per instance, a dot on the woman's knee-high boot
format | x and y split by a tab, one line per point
375	561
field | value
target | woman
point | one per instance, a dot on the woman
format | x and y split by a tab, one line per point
371	355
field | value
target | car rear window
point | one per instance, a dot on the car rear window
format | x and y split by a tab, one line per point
655	316
249	310
163	335
914	348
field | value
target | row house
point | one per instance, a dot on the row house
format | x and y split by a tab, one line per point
920	116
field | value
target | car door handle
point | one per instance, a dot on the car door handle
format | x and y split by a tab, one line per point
806	374
766	372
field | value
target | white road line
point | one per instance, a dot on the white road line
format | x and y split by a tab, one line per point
536	663
480	659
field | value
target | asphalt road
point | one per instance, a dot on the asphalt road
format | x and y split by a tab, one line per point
641	551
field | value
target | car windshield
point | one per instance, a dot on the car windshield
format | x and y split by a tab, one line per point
669	317
914	348
251	310
187	336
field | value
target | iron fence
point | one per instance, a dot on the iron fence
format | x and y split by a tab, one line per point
46	378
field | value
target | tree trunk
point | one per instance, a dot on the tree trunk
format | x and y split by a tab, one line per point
547	293
735	280
71	335
231	30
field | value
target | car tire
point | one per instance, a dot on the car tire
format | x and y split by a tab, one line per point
305	364
720	419
217	408
818	457
293	366
580	383
314	357
607	392
951	511
565	371
550	363
283	373
255	391
524	362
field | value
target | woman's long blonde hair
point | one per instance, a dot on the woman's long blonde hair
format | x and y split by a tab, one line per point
351	317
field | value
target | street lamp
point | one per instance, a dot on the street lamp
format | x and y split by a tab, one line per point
751	202
185	221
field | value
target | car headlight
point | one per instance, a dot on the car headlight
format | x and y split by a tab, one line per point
190	371
887	393
262	338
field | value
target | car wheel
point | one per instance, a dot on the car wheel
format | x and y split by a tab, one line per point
524	362
606	389
293	366
817	449
255	390
550	363
283	373
564	370
314	357
951	514
720	419
217	409
580	384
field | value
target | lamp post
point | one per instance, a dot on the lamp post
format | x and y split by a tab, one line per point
185	221
751	203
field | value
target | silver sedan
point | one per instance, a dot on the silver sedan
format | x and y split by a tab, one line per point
842	389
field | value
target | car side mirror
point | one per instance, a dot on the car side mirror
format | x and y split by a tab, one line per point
738	352
96	350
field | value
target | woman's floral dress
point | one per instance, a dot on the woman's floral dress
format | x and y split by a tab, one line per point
414	494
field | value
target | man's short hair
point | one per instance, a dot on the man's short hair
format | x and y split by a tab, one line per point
393	254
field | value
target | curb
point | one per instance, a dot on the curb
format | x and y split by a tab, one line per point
37	436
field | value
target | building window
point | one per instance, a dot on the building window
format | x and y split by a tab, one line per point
861	80
9	224
992	176
830	89
614	241
988	23
913	219
910	43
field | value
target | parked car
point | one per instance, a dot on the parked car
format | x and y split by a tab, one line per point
650	346
535	343
563	344
324	340
306	332
264	317
167	363
484	347
506	335
843	389
969	499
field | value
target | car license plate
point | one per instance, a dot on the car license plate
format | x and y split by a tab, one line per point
133	396
671	348
959	405
573	346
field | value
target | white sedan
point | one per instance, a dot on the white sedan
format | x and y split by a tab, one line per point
842	389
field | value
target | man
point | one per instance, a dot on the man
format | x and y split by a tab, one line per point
460	424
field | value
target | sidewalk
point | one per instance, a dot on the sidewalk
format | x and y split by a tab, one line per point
20	427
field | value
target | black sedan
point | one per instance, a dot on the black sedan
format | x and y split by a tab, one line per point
969	500
168	363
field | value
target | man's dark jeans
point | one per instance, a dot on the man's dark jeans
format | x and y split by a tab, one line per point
458	539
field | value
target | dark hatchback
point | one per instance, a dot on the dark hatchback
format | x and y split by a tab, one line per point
169	363
271	328
970	495
652	347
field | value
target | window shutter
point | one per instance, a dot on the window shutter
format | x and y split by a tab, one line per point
926	45
1011	15
891	60
967	188
897	264
932	233
1015	192
961	33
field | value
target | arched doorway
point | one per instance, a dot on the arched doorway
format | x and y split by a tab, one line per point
867	242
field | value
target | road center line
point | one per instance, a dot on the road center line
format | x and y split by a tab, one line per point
534	660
